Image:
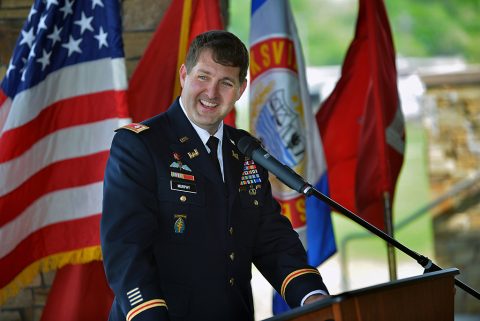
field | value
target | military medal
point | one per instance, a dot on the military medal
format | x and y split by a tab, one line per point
250	173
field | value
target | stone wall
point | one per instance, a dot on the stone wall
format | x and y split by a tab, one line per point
452	120
140	19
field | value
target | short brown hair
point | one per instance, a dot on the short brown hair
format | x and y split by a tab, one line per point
226	48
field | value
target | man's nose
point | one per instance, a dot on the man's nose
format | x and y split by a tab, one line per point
212	90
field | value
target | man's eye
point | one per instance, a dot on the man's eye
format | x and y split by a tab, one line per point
201	77
228	84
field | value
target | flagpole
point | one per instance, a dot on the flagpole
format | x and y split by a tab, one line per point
392	261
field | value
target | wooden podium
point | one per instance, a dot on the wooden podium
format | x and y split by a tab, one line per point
424	297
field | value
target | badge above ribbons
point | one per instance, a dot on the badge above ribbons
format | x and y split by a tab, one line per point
182	179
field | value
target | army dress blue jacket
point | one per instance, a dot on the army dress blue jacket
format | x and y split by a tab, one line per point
178	242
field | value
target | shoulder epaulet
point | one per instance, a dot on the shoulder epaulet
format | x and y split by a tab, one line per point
134	127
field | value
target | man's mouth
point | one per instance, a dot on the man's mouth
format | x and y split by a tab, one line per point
208	104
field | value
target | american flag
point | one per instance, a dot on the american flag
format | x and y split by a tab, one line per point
62	96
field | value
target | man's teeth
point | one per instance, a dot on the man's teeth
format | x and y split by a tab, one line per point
208	104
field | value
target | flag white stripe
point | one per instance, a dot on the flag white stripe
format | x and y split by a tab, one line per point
63	144
59	206
79	79
4	111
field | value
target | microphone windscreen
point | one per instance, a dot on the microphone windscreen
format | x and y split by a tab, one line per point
247	144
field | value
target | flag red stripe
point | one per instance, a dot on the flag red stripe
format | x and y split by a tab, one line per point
66	113
53	239
3	97
60	175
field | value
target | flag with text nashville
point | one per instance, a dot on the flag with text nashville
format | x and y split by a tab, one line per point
282	118
62	96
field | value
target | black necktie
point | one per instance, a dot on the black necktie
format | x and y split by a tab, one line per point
212	143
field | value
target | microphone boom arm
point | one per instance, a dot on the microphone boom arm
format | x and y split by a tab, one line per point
424	261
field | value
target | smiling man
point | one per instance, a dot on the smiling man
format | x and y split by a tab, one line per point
185	214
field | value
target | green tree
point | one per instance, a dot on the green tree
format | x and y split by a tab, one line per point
421	28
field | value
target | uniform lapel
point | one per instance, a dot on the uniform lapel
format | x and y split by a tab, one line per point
232	164
189	145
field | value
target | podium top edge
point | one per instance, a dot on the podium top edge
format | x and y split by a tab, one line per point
289	315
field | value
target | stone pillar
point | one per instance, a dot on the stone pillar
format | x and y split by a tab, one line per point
452	120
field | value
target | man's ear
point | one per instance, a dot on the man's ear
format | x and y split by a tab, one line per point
183	74
242	89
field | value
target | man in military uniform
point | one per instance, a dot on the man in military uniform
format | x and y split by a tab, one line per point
185	213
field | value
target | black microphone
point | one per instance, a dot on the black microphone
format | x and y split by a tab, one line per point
252	148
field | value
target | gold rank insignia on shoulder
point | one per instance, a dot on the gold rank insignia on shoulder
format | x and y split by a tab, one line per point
134	127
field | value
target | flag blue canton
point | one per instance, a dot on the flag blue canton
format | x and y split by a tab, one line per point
60	33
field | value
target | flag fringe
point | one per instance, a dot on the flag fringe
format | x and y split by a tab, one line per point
47	264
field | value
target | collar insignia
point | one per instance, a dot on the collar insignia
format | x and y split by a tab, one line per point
234	154
193	153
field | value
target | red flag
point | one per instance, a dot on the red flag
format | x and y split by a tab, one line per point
362	123
79	292
61	99
155	82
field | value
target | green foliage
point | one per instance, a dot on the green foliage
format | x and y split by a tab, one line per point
421	28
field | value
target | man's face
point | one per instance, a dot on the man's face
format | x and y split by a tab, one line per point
209	91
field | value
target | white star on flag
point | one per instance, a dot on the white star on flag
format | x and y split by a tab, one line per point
51	2
11	67
102	38
96	2
28	37
32	53
85	23
24	69
73	45
42	24
32	12
67	8
45	60
55	35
